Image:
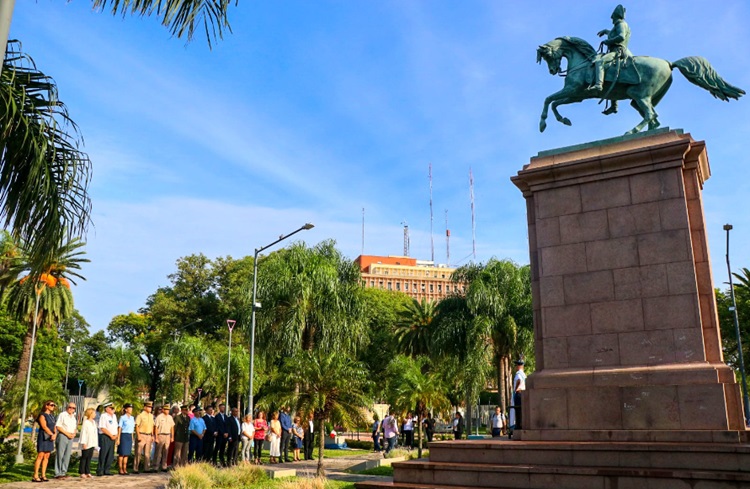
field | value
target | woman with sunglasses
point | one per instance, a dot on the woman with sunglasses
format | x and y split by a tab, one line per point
45	441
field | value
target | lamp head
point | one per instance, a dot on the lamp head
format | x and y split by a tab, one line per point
308	226
727	227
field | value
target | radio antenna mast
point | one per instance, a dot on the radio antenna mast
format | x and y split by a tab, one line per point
432	239
406	238
473	220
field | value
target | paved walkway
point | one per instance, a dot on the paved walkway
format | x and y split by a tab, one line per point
335	469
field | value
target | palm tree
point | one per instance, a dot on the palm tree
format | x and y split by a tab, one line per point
331	386
44	175
311	300
122	366
498	295
415	386
413	328
43	299
188	359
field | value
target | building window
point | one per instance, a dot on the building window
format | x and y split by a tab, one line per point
423	288
440	288
381	284
372	283
432	288
389	286
398	285
406	287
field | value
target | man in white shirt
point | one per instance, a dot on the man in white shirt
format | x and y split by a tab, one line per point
67	426
519	385
108	430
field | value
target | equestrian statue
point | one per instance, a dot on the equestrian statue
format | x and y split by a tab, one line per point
618	75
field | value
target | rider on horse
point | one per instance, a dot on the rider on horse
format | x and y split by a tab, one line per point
617	49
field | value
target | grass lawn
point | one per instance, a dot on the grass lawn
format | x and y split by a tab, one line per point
385	470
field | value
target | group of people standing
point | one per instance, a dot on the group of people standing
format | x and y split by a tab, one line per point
187	435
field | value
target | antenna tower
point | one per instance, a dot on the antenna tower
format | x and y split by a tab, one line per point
363	231
432	239
406	238
447	240
473	221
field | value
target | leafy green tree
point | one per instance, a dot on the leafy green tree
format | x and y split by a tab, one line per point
726	318
417	387
381	308
332	386
120	366
414	327
498	296
87	350
187	359
311	300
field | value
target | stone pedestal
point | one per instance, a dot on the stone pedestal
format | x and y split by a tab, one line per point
630	390
627	334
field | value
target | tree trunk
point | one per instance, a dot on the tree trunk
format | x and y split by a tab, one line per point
321	447
23	363
419	450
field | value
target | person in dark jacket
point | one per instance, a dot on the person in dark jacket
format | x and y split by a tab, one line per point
233	440
221	436
286	433
210	437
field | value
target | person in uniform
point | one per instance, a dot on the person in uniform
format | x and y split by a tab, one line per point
144	432
108	431
181	437
125	430
164	428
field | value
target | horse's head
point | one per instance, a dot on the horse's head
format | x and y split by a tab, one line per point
552	54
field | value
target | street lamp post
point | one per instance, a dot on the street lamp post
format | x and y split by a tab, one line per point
80	384
746	402
230	325
19	454
69	351
255	306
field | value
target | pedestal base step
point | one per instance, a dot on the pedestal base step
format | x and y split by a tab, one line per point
425	474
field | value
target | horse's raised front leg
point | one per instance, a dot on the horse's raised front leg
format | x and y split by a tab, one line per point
565	101
562	94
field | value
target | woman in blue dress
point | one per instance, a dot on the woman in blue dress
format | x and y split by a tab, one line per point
125	430
45	440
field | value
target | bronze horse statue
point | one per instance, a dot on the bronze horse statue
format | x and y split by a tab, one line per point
654	77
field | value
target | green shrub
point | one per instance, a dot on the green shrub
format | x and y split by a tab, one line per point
360	444
7	456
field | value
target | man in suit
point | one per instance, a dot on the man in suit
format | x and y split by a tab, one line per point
286	432
308	442
221	436
233	440
210	437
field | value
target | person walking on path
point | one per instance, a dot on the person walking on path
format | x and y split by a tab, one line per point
164	427
248	432
309	439
197	431
125	430
390	432
88	442
376	432
67	427
298	434
108	431
181	437
144	432
260	435
45	441
497	422
286	433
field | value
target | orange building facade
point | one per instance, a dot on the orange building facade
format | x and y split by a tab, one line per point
416	278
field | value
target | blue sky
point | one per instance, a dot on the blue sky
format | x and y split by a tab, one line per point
310	111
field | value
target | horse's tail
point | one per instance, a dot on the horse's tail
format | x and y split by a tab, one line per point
699	72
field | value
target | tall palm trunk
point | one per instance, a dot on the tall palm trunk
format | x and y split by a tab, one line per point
23	364
419	421
321	446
